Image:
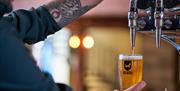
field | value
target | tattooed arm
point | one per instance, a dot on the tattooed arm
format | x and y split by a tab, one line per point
65	11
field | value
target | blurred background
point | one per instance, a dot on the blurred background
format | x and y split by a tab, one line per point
84	54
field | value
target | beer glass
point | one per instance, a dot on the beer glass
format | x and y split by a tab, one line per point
130	69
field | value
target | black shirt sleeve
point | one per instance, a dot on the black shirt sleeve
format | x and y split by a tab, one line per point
33	25
18	70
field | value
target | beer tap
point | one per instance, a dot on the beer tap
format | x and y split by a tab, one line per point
158	22
132	21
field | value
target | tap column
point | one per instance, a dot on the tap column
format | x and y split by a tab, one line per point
158	22
132	21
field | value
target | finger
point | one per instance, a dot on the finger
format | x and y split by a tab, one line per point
116	90
137	87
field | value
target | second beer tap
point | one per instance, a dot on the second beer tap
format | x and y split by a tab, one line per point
132	20
158	22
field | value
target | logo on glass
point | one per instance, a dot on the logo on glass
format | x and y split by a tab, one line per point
127	65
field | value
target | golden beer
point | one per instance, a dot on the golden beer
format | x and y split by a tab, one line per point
130	70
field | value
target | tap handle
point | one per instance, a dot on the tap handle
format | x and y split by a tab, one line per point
133	6
159	7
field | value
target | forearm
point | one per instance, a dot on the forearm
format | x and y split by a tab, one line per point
65	11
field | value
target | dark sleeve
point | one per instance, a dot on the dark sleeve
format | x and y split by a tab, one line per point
33	25
18	69
64	87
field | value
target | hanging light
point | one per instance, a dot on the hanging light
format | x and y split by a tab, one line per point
74	41
88	42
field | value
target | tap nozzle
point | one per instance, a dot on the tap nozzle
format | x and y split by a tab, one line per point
158	37
132	20
132	37
158	16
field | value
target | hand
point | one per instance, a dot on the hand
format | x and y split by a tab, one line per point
137	87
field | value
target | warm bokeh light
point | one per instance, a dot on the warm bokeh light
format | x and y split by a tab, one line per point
74	41
88	42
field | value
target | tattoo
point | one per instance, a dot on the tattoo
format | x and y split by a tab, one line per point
65	11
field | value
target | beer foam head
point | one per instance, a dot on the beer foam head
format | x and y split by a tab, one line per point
130	57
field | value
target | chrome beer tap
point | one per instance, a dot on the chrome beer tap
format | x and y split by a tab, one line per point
156	15
132	21
158	22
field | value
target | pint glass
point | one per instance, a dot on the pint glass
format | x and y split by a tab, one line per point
130	70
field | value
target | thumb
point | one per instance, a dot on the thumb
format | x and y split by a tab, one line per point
137	87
